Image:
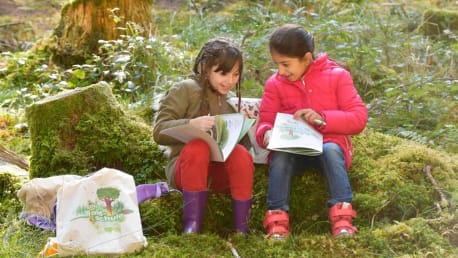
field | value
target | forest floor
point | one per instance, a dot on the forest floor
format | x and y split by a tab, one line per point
40	15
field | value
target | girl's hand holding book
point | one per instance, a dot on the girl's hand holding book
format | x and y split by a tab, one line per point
310	117
267	136
204	123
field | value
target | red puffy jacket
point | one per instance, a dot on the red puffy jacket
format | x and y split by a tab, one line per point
326	88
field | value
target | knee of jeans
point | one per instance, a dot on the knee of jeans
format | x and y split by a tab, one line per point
280	157
332	149
282	161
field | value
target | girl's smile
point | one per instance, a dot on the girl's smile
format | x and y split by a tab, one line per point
224	82
292	68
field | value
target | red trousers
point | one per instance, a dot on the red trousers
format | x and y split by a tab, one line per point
195	172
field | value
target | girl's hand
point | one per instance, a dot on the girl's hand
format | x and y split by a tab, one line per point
309	116
204	123
266	138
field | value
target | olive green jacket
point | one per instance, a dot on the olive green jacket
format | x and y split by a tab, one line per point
180	104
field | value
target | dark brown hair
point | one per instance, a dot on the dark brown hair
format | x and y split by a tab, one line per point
294	41
220	52
291	40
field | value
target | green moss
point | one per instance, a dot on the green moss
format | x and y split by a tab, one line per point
83	131
9	203
395	188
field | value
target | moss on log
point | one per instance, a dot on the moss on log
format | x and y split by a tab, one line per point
83	130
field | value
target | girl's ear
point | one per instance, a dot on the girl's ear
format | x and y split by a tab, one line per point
308	56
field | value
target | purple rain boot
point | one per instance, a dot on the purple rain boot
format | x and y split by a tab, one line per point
241	212
194	204
149	191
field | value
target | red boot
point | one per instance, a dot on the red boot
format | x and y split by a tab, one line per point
341	216
276	223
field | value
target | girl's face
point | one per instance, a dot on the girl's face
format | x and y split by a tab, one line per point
292	68
223	82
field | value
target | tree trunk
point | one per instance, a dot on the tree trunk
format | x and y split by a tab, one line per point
84	130
84	22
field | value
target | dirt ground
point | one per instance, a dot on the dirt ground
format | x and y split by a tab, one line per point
8	7
24	21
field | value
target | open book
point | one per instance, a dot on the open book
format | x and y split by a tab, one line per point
228	131
295	136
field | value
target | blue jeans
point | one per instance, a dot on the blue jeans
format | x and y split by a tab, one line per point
285	165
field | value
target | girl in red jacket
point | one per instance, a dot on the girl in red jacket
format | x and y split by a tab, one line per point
320	92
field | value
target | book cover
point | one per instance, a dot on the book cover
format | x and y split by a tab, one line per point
228	131
295	136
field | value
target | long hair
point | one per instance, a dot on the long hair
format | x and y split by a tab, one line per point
220	52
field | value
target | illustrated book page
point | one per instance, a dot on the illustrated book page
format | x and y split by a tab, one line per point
228	131
295	136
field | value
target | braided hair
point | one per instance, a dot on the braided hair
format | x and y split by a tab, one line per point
220	52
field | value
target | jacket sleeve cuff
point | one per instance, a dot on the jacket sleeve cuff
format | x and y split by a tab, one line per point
262	129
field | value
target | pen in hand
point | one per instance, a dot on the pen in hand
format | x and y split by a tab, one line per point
319	122
316	121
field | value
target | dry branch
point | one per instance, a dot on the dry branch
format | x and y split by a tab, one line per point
427	171
13	158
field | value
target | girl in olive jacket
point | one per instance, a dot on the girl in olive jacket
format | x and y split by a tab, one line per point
217	70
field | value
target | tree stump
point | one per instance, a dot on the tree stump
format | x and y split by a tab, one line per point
83	130
84	22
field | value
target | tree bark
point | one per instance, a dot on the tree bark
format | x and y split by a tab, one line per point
84	22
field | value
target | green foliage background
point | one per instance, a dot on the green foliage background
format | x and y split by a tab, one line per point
407	77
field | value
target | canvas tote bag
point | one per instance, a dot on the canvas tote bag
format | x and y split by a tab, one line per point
98	215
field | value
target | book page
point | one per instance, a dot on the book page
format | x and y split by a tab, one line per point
247	125
222	139
187	132
295	136
228	128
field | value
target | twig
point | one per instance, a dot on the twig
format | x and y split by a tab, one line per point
427	171
234	252
13	158
11	24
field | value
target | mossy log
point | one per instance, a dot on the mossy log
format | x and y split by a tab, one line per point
436	21
83	130
84	22
389	186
